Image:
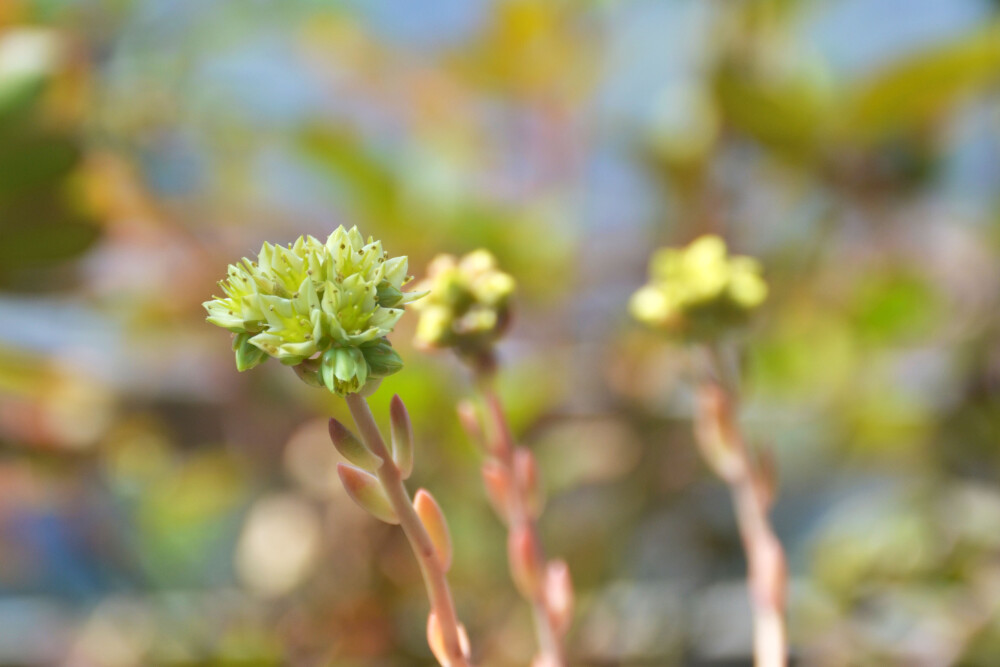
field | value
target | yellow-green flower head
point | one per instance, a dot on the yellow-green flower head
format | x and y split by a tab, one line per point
324	308
469	303
700	291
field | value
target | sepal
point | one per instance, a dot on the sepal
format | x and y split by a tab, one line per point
381	358
247	354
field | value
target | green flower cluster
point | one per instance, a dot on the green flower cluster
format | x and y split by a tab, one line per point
700	291
324	308
469	303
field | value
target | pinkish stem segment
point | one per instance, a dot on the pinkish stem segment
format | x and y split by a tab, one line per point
521	522
725	449
432	569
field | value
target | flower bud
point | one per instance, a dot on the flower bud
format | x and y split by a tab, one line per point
365	490
343	370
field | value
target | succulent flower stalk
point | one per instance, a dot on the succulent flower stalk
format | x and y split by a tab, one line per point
468	310
751	486
323	307
700	291
422	520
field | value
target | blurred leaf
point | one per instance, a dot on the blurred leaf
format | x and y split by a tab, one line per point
790	116
810	354
371	186
181	518
33	160
529	48
915	90
40	220
894	307
18	95
22	372
41	231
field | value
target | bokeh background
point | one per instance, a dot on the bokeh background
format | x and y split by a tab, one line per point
158	508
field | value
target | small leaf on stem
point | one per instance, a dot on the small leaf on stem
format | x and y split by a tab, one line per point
365	490
526	474
559	595
402	437
523	564
435	639
437	527
497	483
468	417
351	448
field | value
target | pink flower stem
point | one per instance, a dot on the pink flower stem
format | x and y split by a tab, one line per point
423	548
726	450
552	652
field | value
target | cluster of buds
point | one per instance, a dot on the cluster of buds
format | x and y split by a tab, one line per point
324	308
469	304
699	292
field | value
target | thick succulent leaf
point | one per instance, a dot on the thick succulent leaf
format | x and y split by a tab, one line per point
402	436
365	490
434	522
351	447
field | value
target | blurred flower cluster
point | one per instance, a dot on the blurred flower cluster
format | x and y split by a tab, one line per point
469	303
699	292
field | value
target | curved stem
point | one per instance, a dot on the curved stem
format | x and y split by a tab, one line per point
388	474
550	643
723	444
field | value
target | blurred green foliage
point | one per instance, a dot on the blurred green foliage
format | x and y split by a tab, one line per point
159	508
42	218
